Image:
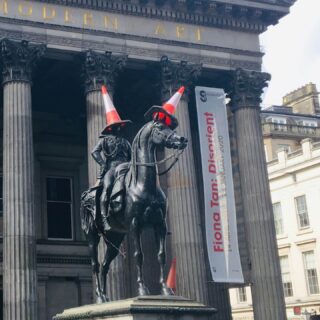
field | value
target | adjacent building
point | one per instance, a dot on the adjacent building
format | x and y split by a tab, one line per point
291	137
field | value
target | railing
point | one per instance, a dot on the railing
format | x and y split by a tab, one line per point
290	130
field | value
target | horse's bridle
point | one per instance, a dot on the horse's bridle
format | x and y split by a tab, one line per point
175	155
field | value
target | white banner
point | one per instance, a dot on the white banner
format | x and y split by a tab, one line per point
220	212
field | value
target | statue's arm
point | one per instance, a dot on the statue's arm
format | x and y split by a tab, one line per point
96	153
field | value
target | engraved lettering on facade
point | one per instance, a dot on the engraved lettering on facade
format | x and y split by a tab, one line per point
25	9
4	7
198	34
110	23
67	16
160	30
180	32
48	13
88	19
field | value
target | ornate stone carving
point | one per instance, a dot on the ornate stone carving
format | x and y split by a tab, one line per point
18	59
247	88
174	75
101	69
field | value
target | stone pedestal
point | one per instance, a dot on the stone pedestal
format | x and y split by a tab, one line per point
141	308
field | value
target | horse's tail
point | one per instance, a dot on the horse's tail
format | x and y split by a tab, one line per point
87	220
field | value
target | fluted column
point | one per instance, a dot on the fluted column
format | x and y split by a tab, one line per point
102	69
183	200
267	291
19	239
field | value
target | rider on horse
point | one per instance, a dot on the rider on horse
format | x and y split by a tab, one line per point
111	150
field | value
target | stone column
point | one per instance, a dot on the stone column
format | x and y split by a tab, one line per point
19	240
183	200
267	291
102	69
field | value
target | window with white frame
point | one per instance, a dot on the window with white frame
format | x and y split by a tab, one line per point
310	270
59	208
302	211
286	278
284	146
242	294
278	222
309	123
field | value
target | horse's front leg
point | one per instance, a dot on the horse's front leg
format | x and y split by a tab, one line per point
160	234
136	232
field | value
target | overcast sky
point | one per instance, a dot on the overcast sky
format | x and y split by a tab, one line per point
292	51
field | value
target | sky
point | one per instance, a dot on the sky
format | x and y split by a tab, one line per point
292	51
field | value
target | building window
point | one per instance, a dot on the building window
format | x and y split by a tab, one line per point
278	218
59	208
310	272
285	274
284	147
302	211
242	294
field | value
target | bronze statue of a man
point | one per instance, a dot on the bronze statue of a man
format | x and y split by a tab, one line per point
111	150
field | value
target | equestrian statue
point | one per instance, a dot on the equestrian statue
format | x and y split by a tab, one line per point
128	196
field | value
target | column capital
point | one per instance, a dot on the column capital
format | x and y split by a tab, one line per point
247	87
174	75
101	68
18	58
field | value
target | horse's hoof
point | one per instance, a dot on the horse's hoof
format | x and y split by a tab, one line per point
143	290
105	298
165	291
99	300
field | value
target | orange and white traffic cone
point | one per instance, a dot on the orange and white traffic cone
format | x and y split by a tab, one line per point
112	117
171	105
171	280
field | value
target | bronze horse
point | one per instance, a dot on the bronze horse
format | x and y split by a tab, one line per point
143	204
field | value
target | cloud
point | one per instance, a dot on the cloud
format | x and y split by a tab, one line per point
292	51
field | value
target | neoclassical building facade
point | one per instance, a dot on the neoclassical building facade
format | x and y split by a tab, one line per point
55	55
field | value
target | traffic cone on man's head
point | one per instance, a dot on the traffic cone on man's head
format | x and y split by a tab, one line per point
171	280
113	119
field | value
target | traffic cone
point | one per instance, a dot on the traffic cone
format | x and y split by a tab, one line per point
171	105
171	280
112	117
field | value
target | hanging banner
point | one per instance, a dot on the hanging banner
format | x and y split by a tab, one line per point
220	212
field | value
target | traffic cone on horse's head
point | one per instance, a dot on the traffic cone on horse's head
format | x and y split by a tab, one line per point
171	280
171	105
113	119
165	114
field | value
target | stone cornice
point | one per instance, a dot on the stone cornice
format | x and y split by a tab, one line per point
224	63
243	15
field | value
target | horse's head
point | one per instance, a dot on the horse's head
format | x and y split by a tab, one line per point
163	135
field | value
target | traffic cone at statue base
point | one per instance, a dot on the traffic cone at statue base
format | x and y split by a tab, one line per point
171	280
165	113
113	119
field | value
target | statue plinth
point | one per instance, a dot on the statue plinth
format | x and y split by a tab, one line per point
145	307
